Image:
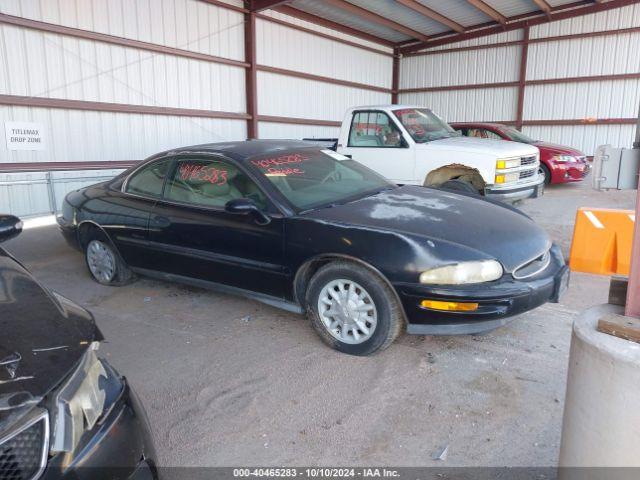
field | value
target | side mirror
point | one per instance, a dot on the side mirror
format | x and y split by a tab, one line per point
10	226
244	206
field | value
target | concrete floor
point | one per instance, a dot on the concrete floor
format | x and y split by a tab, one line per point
228	381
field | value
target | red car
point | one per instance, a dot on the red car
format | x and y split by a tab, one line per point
560	164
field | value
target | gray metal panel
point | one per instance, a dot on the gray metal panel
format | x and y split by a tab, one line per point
283	47
405	16
558	3
510	8
458	10
333	14
301	98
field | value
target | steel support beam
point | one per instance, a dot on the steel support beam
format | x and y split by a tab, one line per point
251	75
260	5
632	307
323	22
522	78
375	18
432	14
543	5
489	11
395	76
557	13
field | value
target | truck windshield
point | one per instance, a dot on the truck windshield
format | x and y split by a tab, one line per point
423	125
518	136
312	179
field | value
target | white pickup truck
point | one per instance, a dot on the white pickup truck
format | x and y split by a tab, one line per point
412	145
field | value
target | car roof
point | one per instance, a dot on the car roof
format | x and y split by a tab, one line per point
243	150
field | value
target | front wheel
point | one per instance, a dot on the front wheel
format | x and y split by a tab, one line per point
105	264
457	185
353	310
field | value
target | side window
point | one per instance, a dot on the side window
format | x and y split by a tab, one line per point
492	135
483	133
374	129
149	180
211	183
474	132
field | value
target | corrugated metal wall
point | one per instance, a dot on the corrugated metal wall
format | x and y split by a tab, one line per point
278	95
578	57
41	64
585	56
50	65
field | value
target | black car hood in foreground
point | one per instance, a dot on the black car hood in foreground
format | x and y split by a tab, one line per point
498	231
42	336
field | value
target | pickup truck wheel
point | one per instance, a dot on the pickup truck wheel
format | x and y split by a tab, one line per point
456	185
104	263
352	310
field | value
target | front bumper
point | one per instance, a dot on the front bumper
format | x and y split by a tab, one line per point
517	192
569	172
120	446
69	231
498	301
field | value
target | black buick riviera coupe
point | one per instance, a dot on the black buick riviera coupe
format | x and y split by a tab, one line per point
310	230
64	411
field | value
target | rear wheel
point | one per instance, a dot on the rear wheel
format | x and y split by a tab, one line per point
546	172
353	310
457	185
104	262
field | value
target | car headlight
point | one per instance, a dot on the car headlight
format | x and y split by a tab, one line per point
463	273
82	400
565	159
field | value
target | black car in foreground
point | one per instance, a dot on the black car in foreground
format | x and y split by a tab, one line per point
310	230
64	412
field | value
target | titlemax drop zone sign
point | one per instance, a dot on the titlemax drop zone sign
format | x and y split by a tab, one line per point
24	136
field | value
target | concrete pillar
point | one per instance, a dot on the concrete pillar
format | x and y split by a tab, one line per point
601	425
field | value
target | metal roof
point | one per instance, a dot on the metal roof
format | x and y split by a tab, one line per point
413	25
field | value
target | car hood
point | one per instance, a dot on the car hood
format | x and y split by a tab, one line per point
43	336
498	148
488	228
556	149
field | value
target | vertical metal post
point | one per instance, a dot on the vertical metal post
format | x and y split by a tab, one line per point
524	53
53	204
251	75
395	77
632	308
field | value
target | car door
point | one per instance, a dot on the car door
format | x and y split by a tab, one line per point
124	213
376	141
193	236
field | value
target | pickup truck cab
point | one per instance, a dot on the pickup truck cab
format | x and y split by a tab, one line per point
412	145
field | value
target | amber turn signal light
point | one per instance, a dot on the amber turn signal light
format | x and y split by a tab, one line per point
449	306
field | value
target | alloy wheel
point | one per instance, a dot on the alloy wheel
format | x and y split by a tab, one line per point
347	311
101	261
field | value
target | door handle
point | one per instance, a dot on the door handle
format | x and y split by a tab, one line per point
161	221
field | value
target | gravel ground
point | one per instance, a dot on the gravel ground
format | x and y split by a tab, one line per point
229	381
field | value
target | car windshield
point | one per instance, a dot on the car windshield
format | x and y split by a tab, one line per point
518	136
312	179
423	125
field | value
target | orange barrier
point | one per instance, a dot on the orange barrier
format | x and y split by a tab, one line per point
602	240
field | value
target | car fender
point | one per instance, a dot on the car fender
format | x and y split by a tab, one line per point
300	282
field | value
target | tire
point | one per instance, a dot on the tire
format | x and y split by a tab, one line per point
372	304
547	174
104	262
456	185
